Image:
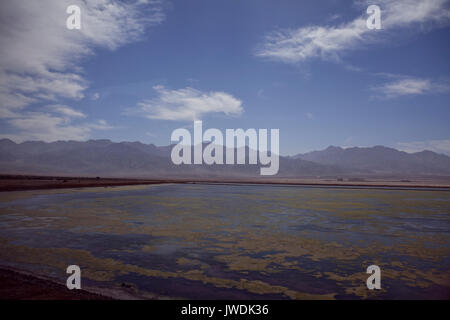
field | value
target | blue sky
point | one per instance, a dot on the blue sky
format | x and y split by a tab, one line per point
310	68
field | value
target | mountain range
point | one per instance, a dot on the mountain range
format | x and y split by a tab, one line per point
137	160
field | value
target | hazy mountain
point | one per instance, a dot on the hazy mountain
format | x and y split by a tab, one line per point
134	159
381	160
126	159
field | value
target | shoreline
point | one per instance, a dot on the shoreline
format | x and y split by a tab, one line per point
24	183
18	284
21	284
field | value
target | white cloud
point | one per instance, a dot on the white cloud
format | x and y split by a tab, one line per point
410	86
95	96
439	146
399	13
40	57
188	104
294	45
100	125
66	111
51	127
328	42
45	127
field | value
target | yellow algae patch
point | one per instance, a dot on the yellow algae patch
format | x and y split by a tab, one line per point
293	246
410	276
418	278
238	262
354	284
362	291
105	269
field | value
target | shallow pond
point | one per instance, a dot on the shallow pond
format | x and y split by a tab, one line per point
206	241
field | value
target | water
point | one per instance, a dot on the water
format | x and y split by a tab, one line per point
234	241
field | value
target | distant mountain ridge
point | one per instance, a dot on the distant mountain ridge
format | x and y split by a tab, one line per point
381	160
135	159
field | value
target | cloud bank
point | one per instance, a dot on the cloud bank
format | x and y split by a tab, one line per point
40	57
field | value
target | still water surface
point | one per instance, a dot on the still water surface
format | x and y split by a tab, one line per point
234	241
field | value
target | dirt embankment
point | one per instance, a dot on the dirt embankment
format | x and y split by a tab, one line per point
21	286
23	182
19	183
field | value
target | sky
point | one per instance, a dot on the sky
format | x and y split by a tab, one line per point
137	70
